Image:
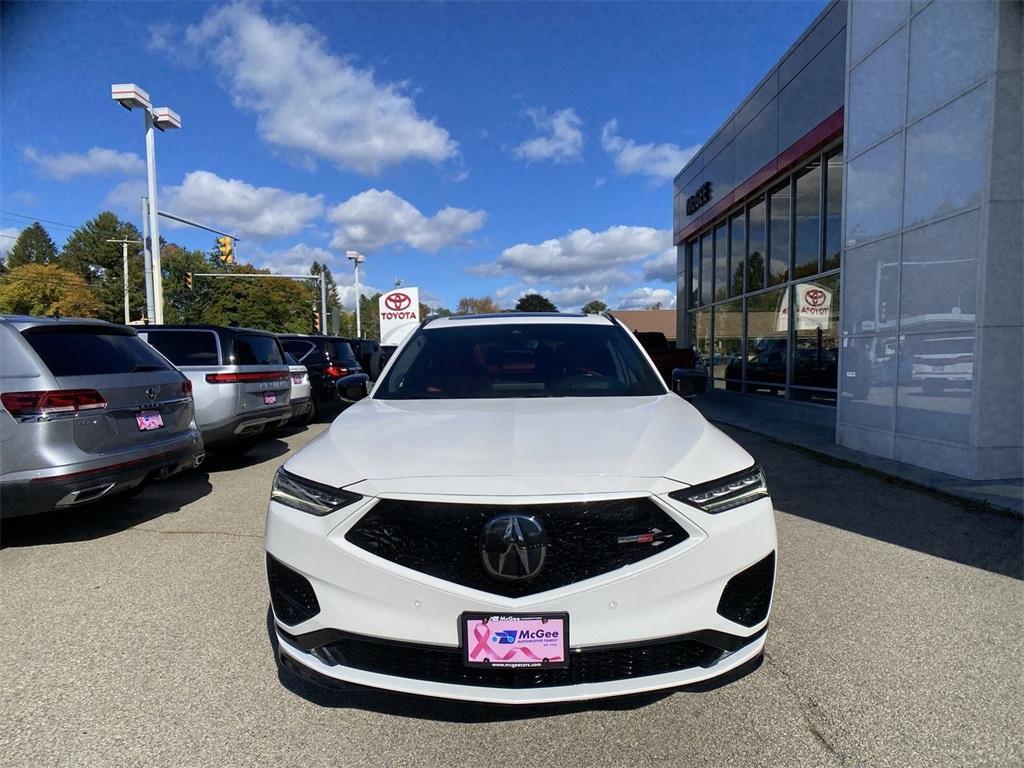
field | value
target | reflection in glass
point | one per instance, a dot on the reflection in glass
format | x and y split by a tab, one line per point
936	379
833	210
755	250
767	341
727	361
868	380
706	270
808	221
816	322
737	249
779	266
701	320
721	262
693	259
873	191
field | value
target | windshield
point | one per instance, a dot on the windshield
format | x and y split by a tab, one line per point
527	360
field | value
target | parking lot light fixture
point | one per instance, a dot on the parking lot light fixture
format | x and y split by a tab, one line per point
356	258
131	96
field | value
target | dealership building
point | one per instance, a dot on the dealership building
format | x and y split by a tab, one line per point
850	239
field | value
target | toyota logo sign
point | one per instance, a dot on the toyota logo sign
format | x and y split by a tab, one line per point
815	297
396	302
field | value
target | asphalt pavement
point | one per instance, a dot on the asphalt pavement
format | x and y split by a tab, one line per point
137	633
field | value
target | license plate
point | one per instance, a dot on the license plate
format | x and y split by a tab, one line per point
148	420
516	641
297	378
269	398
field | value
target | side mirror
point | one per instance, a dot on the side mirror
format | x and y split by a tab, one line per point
688	382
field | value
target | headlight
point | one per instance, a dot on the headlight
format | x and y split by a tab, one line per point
308	496
727	492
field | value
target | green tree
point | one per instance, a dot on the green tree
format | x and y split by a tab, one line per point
45	289
33	246
534	302
369	309
333	304
88	254
279	305
594	307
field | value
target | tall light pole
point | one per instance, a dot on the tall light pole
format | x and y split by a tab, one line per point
130	96
124	258
357	258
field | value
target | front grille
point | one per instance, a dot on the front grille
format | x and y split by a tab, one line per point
444	665
585	539
291	594
748	594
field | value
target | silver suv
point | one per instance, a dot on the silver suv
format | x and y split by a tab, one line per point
88	411
240	380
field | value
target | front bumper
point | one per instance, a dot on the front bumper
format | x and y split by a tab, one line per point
671	595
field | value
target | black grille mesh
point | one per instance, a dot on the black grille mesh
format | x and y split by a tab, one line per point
748	594
444	665
443	540
291	594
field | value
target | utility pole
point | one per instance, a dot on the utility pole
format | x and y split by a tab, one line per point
357	258
124	273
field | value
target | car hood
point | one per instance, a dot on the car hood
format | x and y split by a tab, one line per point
567	438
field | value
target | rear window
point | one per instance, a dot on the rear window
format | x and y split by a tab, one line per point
341	351
300	349
186	347
92	351
253	349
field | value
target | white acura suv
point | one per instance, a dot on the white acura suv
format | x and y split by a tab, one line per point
521	512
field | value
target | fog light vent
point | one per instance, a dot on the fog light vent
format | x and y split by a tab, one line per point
748	594
291	594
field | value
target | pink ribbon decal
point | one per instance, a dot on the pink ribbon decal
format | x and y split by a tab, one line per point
481	634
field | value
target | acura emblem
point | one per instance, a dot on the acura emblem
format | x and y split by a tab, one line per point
513	547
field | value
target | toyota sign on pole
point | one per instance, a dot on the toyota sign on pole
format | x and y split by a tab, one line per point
399	314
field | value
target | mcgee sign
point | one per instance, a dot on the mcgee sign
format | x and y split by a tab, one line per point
399	314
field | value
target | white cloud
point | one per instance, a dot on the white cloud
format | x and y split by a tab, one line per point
238	207
295	260
561	139
661	162
662	266
96	162
373	219
8	236
646	298
580	255
311	101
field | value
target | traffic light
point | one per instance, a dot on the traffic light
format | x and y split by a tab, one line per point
316	322
226	247
188	280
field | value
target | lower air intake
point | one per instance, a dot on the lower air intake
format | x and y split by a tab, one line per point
291	594
748	594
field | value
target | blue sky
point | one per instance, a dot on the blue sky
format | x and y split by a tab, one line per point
470	149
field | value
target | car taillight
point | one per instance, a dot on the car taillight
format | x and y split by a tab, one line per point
52	401
335	371
235	378
186	388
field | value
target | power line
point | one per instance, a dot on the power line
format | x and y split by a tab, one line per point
36	218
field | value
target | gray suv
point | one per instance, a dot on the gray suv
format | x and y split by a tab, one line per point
88	411
240	380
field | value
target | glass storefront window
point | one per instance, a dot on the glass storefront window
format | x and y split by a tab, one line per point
701	320
706	270
755	251
693	259
779	266
767	341
833	210
737	249
816	343
808	221
721	262
727	360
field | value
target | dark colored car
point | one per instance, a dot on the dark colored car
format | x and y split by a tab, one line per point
335	375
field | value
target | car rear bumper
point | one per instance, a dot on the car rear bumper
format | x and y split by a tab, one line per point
245	425
29	493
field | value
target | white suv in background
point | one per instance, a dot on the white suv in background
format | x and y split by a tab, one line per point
531	516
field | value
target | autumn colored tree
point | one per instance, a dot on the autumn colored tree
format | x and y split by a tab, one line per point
46	289
484	305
